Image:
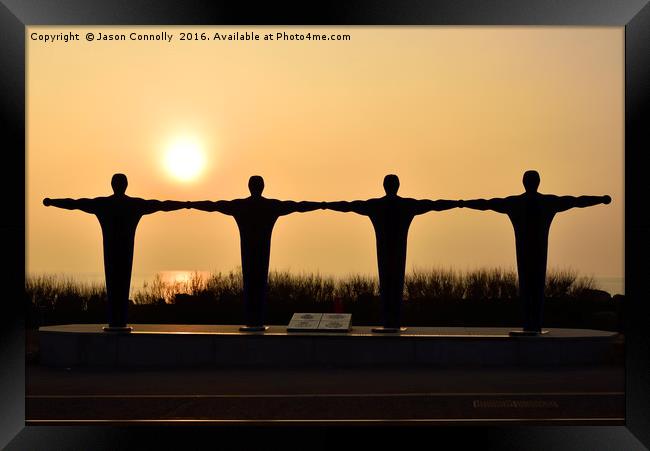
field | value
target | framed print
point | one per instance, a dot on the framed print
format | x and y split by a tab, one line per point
192	108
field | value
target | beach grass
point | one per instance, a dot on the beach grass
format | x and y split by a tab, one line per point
50	290
431	284
432	297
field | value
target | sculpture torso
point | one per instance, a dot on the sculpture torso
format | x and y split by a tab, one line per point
256	217
531	216
391	218
119	217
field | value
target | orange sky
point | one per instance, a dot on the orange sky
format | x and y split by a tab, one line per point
456	112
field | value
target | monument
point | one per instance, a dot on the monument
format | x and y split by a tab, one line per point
118	216
255	217
391	217
531	214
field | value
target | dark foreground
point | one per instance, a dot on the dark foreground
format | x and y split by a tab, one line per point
568	395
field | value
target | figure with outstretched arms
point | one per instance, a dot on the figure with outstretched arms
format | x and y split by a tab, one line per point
531	214
391	217
118	216
255	216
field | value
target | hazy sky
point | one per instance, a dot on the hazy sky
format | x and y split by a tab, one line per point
455	112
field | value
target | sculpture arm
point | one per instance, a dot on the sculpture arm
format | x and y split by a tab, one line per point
86	205
563	203
497	204
289	206
153	206
425	205
222	206
356	206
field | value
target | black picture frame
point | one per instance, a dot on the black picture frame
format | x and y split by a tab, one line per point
634	15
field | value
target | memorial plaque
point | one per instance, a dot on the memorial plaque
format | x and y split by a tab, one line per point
320	322
304	322
335	322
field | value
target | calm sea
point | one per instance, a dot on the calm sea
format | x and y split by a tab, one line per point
613	285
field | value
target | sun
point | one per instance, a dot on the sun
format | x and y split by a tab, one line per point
185	160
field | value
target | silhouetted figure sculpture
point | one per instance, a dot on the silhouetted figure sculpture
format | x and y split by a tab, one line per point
531	214
255	217
391	217
118	216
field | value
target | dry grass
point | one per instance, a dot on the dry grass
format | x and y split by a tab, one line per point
52	291
432	297
434	284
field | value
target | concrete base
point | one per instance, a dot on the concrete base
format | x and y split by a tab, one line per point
175	345
527	333
388	330
253	328
113	329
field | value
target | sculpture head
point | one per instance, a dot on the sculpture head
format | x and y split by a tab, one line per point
256	185
119	183
531	181
391	184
